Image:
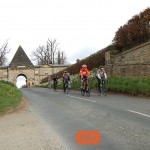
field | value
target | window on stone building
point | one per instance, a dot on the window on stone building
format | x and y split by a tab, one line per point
36	72
46	72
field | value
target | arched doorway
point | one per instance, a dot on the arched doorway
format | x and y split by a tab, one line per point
21	81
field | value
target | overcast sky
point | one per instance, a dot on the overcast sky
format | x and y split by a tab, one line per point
81	27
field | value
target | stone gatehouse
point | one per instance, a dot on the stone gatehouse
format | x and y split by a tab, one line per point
22	66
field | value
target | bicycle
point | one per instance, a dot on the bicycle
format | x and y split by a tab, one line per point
55	85
103	88
49	86
86	88
67	86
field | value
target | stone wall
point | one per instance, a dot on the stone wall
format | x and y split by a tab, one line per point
34	75
134	62
3	73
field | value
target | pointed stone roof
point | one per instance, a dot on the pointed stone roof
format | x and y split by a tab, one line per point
20	59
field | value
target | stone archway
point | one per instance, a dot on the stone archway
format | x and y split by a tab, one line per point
29	81
22	65
19	75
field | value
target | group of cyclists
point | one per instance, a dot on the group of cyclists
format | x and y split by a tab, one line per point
84	75
66	79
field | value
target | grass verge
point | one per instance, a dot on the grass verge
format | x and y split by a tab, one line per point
133	86
10	96
139	86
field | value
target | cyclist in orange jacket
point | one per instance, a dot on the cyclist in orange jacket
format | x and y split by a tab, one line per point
84	74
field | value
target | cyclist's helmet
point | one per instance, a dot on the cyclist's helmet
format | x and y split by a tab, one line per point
84	66
101	67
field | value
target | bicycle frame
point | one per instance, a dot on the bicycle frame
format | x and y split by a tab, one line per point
55	85
66	86
85	88
102	89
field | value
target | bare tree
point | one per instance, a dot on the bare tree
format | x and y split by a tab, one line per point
61	57
49	54
53	47
58	59
3	51
42	55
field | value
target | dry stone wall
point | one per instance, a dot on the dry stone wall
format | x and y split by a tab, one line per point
131	63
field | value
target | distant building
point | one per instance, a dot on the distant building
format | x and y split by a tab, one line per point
22	66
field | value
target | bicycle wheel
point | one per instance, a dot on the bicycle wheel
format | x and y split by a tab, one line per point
82	92
49	86
88	92
104	90
55	86
98	92
67	89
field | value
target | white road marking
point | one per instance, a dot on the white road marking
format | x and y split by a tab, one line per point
54	92
139	113
81	98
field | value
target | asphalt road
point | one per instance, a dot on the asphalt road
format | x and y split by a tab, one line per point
122	121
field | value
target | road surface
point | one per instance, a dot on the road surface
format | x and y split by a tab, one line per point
122	121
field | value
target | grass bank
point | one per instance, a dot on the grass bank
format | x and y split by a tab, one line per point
127	85
10	96
133	86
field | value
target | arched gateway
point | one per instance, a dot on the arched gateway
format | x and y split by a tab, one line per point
22	66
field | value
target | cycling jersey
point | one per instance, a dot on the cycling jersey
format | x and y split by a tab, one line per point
84	73
55	77
101	74
66	76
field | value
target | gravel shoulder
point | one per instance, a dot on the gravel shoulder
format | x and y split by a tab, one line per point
22	130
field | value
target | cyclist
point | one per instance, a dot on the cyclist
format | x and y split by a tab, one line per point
101	76
66	78
55	78
84	74
49	82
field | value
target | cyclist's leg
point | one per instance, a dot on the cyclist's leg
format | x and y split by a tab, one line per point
69	84
67	87
104	88
87	84
64	86
87	88
82	84
54	84
50	84
98	84
83	87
